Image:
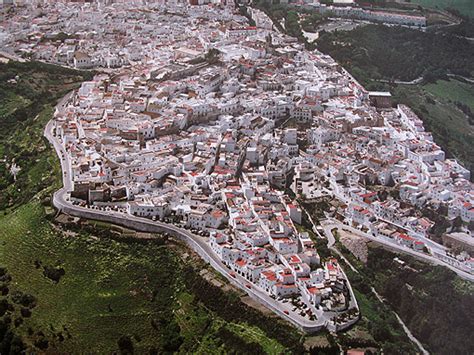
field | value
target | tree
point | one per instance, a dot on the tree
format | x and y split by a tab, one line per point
125	345
212	56
457	224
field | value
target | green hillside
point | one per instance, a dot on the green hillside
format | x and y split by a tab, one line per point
90	291
28	92
465	7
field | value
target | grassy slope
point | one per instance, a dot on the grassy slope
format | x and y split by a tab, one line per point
11	103
110	289
25	107
29	149
98	274
452	90
381	52
433	301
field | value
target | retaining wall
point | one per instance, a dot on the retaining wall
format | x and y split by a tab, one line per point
154	227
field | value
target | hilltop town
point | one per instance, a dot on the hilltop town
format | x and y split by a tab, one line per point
198	120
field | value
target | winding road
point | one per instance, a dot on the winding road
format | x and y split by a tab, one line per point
330	224
199	244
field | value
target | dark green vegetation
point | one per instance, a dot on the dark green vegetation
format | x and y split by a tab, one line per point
293	20
463	29
281	14
26	105
311	21
464	7
434	303
457	7
376	53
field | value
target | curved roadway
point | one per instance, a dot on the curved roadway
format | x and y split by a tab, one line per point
62	202
332	223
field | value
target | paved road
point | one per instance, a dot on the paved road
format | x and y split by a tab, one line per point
331	241
12	56
330	224
199	244
412	82
462	77
327	227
